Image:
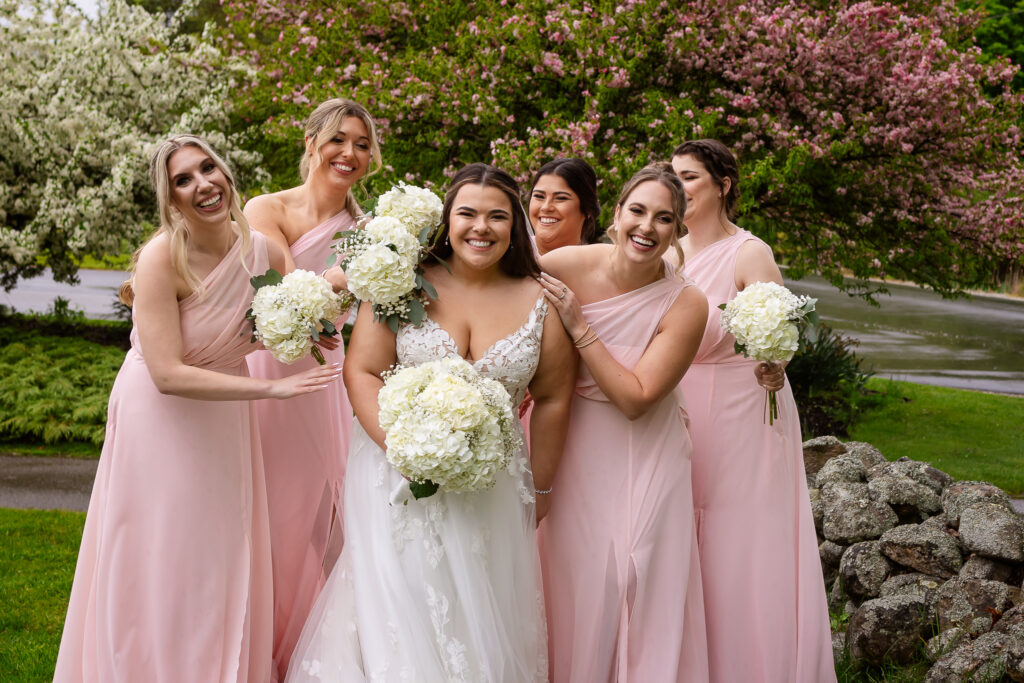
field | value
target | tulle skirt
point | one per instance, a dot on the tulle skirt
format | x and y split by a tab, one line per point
445	588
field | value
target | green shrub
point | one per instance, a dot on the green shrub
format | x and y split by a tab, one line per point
54	388
828	380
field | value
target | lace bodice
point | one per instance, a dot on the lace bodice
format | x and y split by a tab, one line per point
511	360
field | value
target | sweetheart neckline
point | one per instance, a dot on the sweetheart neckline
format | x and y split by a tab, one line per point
490	348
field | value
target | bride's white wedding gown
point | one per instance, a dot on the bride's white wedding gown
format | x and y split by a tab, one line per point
441	589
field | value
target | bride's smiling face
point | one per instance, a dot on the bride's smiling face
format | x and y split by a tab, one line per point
480	227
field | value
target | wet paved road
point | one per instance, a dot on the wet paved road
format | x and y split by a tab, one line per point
917	336
94	295
44	483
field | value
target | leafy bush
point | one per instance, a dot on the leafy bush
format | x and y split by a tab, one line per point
828	382
54	388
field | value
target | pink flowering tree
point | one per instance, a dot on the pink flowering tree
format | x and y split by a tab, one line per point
870	141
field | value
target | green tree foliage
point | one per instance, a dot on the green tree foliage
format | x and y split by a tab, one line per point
1001	33
867	140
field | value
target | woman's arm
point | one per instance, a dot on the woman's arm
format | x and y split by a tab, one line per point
755	263
265	215
371	351
552	391
663	363
159	325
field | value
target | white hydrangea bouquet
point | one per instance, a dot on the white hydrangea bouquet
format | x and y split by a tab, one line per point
765	319
381	258
447	426
291	312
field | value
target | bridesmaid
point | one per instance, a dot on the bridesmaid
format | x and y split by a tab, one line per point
619	549
305	442
173	579
749	488
563	204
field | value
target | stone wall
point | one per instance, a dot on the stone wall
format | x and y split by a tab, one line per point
923	565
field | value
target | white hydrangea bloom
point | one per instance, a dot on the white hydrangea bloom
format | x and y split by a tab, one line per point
763	319
447	424
388	230
287	313
414	207
380	275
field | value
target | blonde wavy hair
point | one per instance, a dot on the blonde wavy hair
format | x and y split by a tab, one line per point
660	172
322	125
171	221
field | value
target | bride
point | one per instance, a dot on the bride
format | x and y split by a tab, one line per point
447	588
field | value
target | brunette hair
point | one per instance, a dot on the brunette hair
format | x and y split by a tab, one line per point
720	163
518	260
662	173
171	221
323	124
582	180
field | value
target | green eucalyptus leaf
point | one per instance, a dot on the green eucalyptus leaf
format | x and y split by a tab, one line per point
393	323
423	489
426	286
329	328
416	312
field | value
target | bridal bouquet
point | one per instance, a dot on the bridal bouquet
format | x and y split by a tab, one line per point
289	313
765	319
382	257
447	426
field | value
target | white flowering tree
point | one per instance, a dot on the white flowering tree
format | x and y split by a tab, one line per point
81	103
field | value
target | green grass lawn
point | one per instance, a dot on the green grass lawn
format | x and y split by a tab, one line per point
967	434
38	550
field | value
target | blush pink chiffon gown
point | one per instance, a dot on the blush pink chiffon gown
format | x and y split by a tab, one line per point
305	447
619	549
173	581
764	594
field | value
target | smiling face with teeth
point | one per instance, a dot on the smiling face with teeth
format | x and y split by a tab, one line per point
345	156
555	213
645	222
480	226
199	188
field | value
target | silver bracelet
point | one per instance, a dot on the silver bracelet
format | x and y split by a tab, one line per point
542	492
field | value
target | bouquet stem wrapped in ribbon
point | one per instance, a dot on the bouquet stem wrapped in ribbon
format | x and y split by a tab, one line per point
766	319
447	426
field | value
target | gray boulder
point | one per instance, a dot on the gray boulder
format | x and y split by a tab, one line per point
911	500
817	508
863	570
1015	653
922	473
830	554
913	584
944	643
866	453
849	514
963	494
842	468
978	567
982	661
887	629
991	530
924	548
974	604
818	451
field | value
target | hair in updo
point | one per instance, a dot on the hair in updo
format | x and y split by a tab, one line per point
518	260
660	172
322	125
171	221
720	164
581	179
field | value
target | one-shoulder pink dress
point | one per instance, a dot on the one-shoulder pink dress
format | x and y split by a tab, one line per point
173	581
764	593
619	549
305	447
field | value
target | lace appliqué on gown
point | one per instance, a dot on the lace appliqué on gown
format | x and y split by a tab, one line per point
435	589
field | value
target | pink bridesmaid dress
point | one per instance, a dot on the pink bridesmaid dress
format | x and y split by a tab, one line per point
767	619
173	581
618	548
305	447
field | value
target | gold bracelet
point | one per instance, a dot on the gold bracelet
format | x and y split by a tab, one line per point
587	342
586	331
